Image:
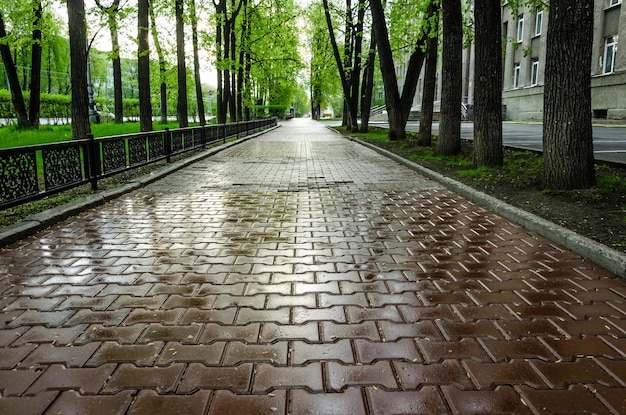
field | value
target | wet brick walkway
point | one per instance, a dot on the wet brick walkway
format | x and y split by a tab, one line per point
301	273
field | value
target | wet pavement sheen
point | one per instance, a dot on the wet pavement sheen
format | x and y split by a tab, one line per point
302	273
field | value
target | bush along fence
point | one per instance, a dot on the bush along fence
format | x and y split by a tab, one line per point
34	172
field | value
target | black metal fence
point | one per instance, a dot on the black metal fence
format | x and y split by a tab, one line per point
34	172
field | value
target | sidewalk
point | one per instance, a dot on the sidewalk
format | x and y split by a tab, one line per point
303	273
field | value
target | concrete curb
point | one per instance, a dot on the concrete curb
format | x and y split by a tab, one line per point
39	221
591	250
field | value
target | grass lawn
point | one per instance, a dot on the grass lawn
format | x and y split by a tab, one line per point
10	136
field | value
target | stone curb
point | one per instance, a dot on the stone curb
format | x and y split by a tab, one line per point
39	221
591	250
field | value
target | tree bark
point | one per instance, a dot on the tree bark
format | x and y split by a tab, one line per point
220	9
367	88
568	140
181	108
14	81
343	74
78	68
196	61
162	65
425	135
398	105
143	67
111	15
35	73
488	84
449	141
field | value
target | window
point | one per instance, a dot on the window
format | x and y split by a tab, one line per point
614	2
534	73
520	28
538	22
516	75
610	49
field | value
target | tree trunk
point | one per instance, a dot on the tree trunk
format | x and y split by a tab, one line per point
568	141
220	9
162	65
143	67
181	108
14	82
368	85
398	106
488	84
351	109
111	15
449	141
78	68
35	73
425	135
196	61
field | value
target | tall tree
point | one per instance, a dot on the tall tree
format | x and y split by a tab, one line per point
567	140
143	67
488	84
162	63
78	56
398	105
35	70
424	137
449	141
367	88
348	65
181	108
196	60
14	82
111	14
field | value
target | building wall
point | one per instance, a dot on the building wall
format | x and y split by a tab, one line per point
524	64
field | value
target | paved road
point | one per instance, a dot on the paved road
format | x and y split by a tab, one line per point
302	273
609	142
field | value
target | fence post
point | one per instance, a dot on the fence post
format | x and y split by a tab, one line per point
224	132
93	161
203	135
168	145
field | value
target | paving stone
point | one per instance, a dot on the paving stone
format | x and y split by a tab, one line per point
525	348
377	374
56	335
209	355
348	402
438	351
113	352
339	351
100	333
200	377
67	355
271	332
489	375
237	352
426	401
416	375
227	403
561	374
561	401
150	402
15	382
183	334
72	403
86	381
162	379
268	378
571	349
30	405
502	400
248	333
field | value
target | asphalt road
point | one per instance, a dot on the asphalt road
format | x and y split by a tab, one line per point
609	142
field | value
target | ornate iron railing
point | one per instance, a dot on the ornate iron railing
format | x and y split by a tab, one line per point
34	172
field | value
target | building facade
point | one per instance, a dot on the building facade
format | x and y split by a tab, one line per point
525	34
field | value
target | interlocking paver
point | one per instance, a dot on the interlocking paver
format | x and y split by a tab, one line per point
299	272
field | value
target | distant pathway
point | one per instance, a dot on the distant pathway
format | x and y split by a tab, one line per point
302	273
